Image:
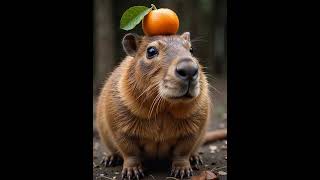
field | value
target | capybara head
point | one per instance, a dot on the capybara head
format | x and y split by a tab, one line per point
165	66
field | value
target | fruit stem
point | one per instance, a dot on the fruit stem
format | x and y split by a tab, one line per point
153	7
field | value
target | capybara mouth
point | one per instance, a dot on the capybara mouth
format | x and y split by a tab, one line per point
185	96
183	92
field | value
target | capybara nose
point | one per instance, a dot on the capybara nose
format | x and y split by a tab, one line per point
187	69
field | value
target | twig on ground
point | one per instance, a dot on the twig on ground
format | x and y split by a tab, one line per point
105	177
172	178
152	177
214	169
95	165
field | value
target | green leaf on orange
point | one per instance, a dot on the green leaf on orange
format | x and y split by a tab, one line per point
133	16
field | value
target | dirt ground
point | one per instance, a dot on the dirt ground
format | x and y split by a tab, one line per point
214	155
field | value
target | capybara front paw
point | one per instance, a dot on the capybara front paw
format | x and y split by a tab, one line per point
111	160
181	168
132	169
196	160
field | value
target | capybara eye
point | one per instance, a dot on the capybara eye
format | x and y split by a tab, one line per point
152	52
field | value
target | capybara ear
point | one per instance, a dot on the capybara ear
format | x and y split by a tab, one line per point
130	43
186	36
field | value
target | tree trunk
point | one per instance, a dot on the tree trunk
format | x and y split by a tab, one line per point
103	42
219	37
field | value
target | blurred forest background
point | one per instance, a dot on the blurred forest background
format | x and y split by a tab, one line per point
206	20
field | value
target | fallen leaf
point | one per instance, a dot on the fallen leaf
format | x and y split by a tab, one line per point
211	175
205	175
222	173
198	178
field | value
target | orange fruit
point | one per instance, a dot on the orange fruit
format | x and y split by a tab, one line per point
161	21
